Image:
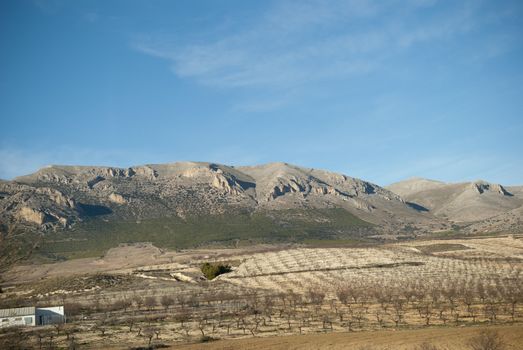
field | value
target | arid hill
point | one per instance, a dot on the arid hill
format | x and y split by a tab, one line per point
72	211
465	202
67	194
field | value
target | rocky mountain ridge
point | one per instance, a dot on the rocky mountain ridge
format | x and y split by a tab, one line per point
61	196
66	194
466	202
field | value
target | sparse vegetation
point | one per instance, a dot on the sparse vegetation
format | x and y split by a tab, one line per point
95	236
212	270
291	291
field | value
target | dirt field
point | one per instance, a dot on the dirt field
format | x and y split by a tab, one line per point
138	295
123	259
396	265
444	338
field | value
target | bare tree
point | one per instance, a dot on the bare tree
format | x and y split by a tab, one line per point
130	321
487	340
343	294
167	301
268	307
58	327
490	310
315	296
182	300
182	316
513	294
72	310
150	303
379	317
425	311
327	319
40	335
149	334
202	322
14	338
399	312
138	300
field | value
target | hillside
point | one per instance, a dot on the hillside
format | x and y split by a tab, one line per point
460	202
75	209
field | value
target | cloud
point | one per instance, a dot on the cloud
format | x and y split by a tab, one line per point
296	43
274	52
49	7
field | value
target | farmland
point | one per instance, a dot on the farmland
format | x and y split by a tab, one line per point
139	295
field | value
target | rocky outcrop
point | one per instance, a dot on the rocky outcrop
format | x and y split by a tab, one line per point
63	195
57	196
117	198
228	185
465	202
31	215
482	187
145	171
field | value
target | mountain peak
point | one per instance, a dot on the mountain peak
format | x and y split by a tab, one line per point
482	187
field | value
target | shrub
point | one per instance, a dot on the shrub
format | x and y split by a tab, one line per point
210	271
487	340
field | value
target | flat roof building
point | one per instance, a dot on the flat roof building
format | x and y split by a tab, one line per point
31	316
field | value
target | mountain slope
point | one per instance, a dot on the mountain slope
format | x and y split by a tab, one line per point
459	202
70	211
64	195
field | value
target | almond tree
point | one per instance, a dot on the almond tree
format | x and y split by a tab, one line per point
150	303
167	301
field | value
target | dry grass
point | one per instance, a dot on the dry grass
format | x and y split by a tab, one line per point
387	281
444	338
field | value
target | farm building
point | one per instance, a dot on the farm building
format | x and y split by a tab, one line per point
31	316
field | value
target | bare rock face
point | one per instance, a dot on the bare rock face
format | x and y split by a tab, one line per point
57	196
145	171
228	185
482	187
117	198
32	215
63	195
465	202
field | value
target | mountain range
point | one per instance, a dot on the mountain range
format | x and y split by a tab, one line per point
276	200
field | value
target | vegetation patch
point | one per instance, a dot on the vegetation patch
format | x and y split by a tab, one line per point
95	236
441	247
212	270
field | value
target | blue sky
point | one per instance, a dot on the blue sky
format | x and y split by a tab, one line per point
380	90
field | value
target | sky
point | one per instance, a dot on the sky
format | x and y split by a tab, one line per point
380	90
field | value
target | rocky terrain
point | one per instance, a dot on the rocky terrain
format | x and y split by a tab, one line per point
63	195
193	200
463	203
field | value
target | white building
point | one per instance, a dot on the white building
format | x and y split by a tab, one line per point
20	316
31	316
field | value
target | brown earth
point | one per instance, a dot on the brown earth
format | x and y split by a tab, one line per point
446	338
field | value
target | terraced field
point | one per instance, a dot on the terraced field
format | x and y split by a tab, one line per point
485	261
139	295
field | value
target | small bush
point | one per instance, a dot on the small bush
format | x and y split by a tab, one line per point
210	271
487	340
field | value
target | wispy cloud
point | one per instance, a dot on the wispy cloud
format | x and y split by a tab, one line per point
296	43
